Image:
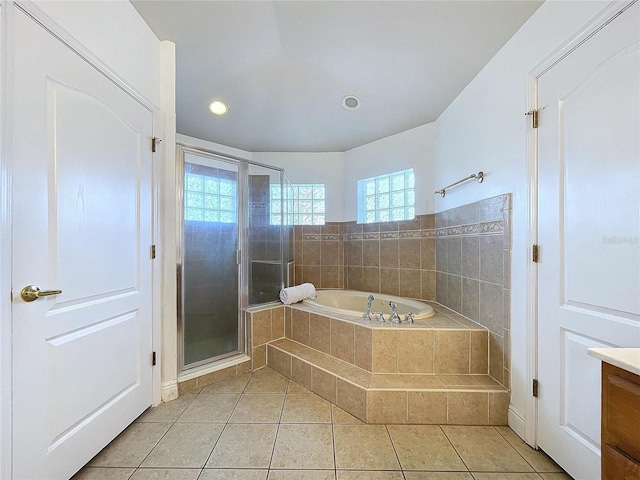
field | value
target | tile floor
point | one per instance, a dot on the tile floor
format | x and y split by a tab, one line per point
261	426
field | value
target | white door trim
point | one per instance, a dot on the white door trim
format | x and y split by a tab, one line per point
606	15
7	9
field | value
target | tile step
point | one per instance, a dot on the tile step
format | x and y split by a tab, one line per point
392	398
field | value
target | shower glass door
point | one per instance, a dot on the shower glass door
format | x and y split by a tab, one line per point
209	274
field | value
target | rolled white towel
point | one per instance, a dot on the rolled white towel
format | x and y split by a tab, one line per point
296	294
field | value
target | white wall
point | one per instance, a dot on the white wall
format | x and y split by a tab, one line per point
485	129
414	148
324	168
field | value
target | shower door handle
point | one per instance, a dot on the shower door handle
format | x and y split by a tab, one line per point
238	257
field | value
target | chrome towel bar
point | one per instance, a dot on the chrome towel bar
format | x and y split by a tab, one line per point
479	176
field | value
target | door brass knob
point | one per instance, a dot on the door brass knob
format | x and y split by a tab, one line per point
31	293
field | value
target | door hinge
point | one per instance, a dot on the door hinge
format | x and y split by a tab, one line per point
153	359
153	252
535	388
155	141
534	114
535	254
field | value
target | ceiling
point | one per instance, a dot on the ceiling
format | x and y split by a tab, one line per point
283	67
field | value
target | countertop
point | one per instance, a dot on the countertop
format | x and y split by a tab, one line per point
626	358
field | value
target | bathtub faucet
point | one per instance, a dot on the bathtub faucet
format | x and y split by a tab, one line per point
394	319
367	315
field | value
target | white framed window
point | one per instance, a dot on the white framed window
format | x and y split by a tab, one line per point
385	198
209	199
298	204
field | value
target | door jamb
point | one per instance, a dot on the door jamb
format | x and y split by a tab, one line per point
605	16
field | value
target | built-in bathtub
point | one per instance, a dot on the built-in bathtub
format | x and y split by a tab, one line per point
354	303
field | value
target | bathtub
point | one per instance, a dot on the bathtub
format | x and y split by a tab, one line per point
354	303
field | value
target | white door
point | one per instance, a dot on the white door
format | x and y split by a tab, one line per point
589	230
81	224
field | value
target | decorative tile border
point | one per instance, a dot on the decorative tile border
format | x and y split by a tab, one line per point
496	227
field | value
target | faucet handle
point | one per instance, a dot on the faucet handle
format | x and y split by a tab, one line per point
409	317
380	316
366	317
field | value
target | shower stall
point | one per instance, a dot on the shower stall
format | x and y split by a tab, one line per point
235	250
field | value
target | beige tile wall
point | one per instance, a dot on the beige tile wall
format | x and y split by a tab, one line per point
319	255
264	324
473	253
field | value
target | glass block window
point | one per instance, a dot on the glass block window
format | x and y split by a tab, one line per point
209	199
299	204
385	198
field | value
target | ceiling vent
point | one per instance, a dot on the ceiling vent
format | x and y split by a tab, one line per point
351	102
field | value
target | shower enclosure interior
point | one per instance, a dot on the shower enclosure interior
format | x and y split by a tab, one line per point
235	250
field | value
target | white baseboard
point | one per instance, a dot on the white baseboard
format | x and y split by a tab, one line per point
517	421
169	391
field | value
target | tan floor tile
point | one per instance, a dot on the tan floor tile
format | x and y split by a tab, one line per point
211	408
536	458
184	445
306	409
297	388
368	475
555	476
131	447
267	381
505	476
424	447
301	475
484	449
166	474
364	447
303	446
437	476
103	473
168	411
234	384
258	408
339	416
244	446
227	474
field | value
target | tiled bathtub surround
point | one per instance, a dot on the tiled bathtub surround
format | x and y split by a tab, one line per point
319	255
473	252
264	325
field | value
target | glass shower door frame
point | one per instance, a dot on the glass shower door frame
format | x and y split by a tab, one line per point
182	151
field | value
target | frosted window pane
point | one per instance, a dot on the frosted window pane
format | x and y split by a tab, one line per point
194	214
194	182
318	193
276	219
225	203
304	206
411	213
306	192
318	219
397	199
383	215
275	191
211	185
411	197
210	216
306	220
226	217
226	188
276	207
383	185
370	203
318	207
211	202
383	201
370	217
370	188
409	180
397	182
397	214
195	199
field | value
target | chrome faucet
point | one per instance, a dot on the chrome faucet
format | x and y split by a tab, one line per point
394	319
408	317
367	315
379	316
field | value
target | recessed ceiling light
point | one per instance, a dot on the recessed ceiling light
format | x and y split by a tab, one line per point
351	102
218	107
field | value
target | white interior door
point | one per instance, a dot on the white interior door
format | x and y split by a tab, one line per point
81	224
589	230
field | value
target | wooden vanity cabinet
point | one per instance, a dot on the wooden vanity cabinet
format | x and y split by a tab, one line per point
620	424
